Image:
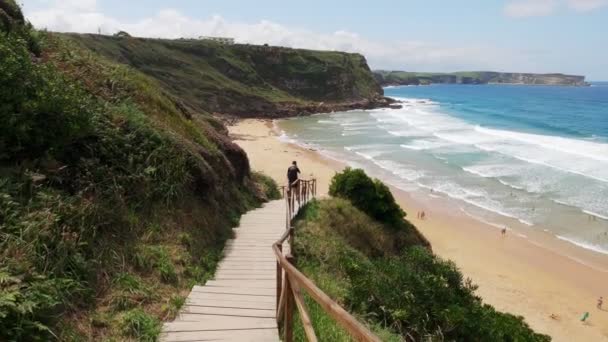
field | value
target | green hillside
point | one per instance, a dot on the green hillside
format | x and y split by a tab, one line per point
359	249
115	197
245	80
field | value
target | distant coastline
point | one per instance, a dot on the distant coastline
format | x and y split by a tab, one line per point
393	78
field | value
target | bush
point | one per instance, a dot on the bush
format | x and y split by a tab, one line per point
371	196
376	200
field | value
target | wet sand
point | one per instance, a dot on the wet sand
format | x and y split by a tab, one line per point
527	272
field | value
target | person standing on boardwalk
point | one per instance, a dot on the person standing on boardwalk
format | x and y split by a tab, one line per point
292	177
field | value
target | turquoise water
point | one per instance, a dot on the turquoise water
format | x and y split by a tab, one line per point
535	154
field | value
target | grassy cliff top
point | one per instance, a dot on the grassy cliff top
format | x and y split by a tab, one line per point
244	80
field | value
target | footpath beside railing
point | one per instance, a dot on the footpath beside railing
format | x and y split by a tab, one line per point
291	283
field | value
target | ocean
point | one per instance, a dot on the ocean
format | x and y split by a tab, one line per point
537	155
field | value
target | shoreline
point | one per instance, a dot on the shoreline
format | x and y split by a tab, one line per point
525	273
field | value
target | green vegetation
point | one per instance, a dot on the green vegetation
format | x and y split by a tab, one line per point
243	80
376	200
138	324
268	186
100	170
404	290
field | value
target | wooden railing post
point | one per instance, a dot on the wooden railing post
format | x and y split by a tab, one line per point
289	306
279	278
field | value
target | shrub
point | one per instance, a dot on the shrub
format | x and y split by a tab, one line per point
376	200
371	196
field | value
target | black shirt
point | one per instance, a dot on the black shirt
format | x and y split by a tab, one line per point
292	173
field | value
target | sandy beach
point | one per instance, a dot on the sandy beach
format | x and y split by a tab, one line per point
523	275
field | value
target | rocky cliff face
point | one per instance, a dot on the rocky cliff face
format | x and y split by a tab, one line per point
476	77
247	80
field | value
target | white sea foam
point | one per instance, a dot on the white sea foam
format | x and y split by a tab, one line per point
421	144
400	170
588	158
475	197
351	133
492	170
589	212
580	148
584	244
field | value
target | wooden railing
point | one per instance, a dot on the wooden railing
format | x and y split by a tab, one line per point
291	283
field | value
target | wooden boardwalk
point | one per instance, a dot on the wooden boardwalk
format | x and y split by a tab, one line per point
239	304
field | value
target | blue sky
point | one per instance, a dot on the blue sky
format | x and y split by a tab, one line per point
507	35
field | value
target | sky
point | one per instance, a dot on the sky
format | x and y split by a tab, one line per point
568	36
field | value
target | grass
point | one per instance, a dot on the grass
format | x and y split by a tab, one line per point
240	79
267	186
138	324
324	219
129	291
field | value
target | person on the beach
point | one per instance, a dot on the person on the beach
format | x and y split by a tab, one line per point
292	177
600	302
422	215
503	231
585	316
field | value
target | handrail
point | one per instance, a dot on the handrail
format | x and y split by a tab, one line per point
291	282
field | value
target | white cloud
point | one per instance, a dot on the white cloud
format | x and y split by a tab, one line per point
586	5
85	17
530	8
537	8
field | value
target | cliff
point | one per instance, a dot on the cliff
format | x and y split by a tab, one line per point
386	78
246	80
